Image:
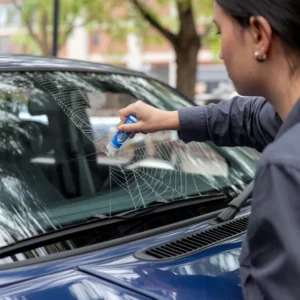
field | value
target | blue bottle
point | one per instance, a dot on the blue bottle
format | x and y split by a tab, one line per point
120	137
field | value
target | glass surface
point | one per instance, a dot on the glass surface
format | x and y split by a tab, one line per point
54	128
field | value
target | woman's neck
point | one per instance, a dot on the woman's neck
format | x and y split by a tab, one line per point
283	95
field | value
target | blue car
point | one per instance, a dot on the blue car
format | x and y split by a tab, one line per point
143	224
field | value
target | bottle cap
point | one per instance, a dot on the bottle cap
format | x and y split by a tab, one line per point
133	118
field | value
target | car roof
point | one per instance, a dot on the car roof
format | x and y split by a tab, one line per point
39	63
17	62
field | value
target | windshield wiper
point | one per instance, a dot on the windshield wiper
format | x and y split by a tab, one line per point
235	205
152	206
125	215
98	221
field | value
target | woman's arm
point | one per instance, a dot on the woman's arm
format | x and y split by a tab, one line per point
241	121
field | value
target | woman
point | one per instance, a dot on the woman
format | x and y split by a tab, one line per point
260	46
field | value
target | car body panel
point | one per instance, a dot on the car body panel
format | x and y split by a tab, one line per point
115	273
37	63
68	285
209	273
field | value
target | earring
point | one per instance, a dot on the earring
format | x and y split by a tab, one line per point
258	58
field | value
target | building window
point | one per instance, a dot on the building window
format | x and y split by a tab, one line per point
4	44
9	15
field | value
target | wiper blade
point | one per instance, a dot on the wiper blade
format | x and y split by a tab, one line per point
152	206
235	205
125	215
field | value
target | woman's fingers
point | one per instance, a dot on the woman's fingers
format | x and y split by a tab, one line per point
130	127
131	109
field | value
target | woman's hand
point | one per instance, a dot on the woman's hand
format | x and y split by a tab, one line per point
150	119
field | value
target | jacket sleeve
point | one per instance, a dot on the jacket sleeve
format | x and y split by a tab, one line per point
274	239
242	121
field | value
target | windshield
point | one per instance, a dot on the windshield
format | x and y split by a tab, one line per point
54	128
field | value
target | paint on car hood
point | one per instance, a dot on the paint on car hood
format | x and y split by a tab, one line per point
212	273
209	274
67	285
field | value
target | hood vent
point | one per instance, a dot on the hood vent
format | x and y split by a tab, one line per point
196	241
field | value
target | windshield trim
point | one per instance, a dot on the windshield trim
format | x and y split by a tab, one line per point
119	241
19	62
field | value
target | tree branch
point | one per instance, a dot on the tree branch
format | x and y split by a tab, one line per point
44	33
70	27
29	26
147	16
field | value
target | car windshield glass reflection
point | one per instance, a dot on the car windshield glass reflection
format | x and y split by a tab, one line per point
54	128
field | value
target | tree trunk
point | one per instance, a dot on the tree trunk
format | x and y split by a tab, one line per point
186	43
45	50
186	46
186	59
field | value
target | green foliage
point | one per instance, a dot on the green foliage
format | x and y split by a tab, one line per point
212	40
23	39
37	17
101	14
202	12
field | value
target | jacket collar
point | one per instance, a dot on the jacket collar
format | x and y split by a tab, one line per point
292	119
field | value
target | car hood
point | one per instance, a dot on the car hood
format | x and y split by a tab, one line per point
67	285
116	273
212	274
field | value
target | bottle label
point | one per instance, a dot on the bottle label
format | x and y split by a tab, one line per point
120	137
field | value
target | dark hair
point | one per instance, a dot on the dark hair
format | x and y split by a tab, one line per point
282	15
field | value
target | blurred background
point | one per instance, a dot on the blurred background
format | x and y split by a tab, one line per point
172	40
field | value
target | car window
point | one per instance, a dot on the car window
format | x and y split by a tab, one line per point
54	128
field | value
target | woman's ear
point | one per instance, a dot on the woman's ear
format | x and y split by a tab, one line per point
261	33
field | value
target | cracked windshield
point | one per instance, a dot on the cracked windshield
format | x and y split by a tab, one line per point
55	127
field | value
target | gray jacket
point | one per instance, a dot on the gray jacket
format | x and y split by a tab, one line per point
270	258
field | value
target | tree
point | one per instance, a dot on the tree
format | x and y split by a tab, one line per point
183	35
119	17
37	17
181	30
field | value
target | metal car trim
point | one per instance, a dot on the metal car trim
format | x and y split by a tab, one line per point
112	243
